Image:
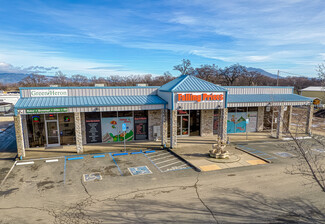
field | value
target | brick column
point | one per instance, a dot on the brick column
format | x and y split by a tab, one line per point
279	129
163	127
260	118
19	136
206	120
173	128
223	121
77	121
309	118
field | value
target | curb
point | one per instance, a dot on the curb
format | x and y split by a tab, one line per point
252	154
184	160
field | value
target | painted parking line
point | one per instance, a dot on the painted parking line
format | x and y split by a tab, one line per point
256	152
110	154
165	162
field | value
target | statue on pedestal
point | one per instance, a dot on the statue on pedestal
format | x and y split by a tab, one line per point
218	151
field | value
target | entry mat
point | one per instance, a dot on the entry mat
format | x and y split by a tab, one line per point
140	170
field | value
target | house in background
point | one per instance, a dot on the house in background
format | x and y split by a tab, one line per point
316	93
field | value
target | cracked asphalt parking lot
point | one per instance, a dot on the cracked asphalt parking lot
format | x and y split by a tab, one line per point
254	194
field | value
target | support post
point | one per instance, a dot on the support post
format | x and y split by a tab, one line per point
173	128
260	118
279	129
77	120
163	126
289	117
223	126
19	136
309	118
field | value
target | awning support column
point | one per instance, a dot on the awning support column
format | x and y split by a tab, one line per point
309	122
279	128
77	120
173	128
19	136
260	118
224	117
163	127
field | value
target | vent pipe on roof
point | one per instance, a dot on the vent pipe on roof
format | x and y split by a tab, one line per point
99	84
142	84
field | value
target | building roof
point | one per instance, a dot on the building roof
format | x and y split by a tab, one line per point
190	83
314	88
253	98
87	101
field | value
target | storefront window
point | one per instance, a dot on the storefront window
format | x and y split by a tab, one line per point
93	127
67	129
141	125
195	118
36	130
216	122
112	127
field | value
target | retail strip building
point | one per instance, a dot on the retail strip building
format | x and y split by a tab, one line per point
187	106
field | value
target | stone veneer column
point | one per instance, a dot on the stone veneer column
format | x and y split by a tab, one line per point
154	119
260	118
206	120
309	118
289	117
83	128
164	126
19	136
223	121
279	128
173	128
77	121
25	131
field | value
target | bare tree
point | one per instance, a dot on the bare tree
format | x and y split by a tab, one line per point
232	73
184	68
79	80
34	80
60	79
321	72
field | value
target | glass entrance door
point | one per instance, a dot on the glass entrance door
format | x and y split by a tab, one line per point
52	133
183	125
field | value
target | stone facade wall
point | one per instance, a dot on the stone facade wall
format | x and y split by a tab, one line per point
25	131
279	130
260	118
309	122
164	126
206	126
77	120
19	136
154	117
83	128
173	128
223	127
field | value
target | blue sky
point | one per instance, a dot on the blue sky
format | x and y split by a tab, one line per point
149	37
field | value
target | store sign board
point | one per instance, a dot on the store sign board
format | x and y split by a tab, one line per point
198	97
48	92
47	110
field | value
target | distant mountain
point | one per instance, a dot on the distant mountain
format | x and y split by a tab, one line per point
11	77
250	69
7	78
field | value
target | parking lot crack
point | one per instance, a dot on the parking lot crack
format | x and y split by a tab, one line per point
203	203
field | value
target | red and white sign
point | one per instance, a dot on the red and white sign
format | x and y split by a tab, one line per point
198	97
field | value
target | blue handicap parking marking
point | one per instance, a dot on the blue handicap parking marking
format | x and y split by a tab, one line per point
284	154
92	177
141	170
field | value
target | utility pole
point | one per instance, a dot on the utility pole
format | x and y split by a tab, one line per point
277	79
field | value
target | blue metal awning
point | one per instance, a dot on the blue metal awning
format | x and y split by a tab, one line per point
87	101
257	98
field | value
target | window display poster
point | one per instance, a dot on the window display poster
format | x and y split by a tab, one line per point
236	122
112	129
